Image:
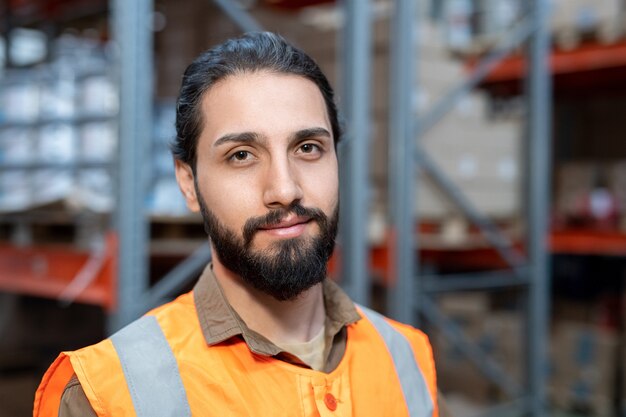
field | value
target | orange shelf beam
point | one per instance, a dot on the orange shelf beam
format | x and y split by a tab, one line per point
575	242
585	58
48	271
588	242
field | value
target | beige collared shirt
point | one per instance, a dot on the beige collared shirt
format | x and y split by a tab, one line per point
219	322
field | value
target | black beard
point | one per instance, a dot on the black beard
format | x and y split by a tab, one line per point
286	269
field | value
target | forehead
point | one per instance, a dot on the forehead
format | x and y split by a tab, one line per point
273	105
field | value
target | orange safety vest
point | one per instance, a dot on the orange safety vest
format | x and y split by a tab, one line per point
160	365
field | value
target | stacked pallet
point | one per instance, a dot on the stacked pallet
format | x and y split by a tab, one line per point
583	353
479	153
475	26
58	130
574	20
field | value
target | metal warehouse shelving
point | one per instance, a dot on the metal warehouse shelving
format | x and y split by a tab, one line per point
410	295
411	298
66	272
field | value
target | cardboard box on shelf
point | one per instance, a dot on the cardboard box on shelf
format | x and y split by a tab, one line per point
465	305
497	333
573	401
98	95
58	143
574	180
15	190
19	102
58	97
481	157
457	375
583	312
489	197
468	311
617	185
455	372
95	190
570	19
98	141
584	359
166	199
50	185
503	339
16	145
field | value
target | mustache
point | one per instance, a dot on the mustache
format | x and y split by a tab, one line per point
253	224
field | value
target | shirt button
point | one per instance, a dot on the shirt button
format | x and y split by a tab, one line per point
330	401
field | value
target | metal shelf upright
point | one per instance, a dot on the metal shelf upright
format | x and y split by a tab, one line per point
132	31
410	299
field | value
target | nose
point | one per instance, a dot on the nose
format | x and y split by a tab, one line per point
282	187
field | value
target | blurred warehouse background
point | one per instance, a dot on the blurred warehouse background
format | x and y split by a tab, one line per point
484	141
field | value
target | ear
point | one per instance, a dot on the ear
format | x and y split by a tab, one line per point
184	177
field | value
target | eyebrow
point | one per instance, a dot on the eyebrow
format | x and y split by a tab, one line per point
249	137
243	137
309	133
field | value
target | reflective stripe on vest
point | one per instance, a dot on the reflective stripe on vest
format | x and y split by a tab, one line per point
414	388
156	388
150	369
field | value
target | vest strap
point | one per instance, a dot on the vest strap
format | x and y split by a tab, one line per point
414	388
150	369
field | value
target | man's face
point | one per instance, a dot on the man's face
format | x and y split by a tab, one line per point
266	180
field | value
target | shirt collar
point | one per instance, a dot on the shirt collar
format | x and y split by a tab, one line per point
219	321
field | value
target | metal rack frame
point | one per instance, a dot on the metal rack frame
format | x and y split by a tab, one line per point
529	271
133	33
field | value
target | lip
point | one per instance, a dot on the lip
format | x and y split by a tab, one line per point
287	222
288	228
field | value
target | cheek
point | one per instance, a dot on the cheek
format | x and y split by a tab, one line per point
231	199
322	185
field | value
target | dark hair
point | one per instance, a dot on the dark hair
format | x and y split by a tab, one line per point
256	51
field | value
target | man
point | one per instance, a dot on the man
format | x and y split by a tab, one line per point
263	333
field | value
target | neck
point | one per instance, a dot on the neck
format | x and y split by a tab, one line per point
292	321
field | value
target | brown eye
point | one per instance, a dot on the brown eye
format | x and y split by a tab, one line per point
241	155
309	148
